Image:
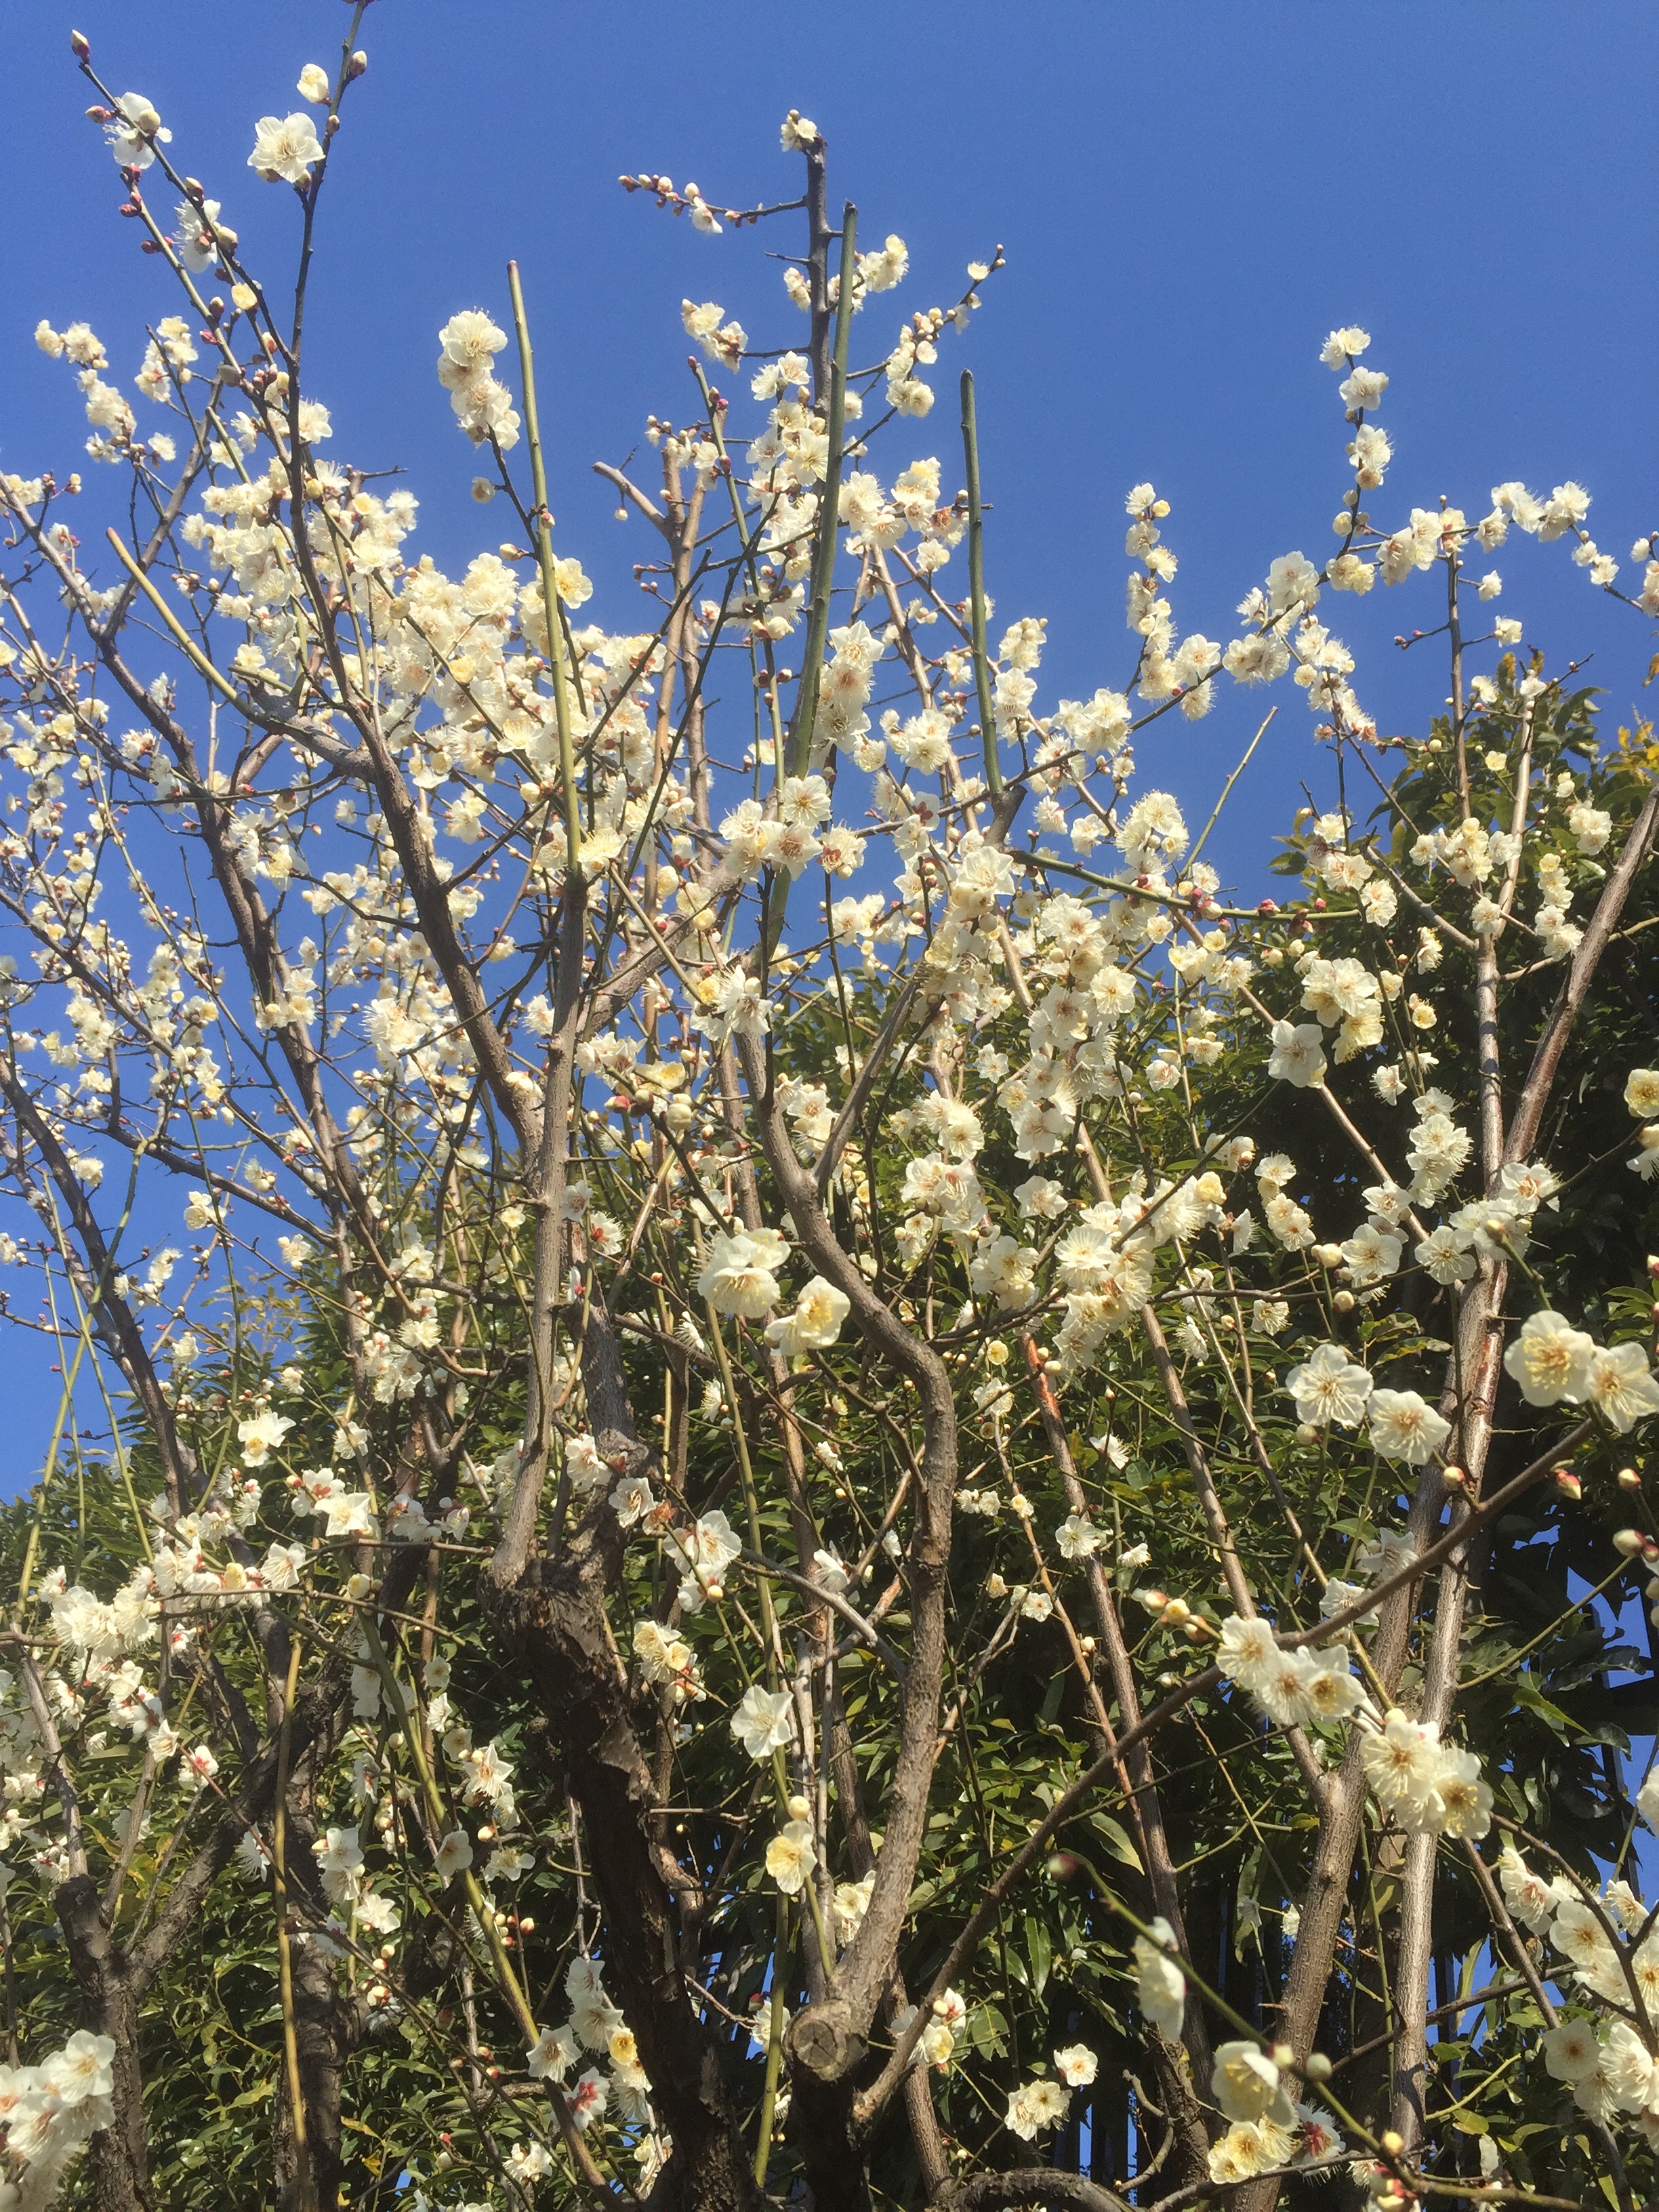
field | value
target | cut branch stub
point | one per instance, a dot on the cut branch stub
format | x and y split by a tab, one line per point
823	2039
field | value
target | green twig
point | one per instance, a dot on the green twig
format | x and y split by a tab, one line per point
823	551
543	521
987	727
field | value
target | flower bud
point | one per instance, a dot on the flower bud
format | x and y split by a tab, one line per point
799	1808
1568	1484
1328	1256
1318	2068
1628	1479
1344	1302
1630	1541
80	45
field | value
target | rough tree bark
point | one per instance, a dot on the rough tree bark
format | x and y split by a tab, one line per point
552	1614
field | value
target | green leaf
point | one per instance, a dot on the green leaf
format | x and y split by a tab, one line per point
1531	1698
1039	1951
1115	1836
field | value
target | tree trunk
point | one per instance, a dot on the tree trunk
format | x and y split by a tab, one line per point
326	2032
120	2153
554	1616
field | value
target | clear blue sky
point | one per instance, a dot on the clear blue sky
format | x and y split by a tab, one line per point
1189	197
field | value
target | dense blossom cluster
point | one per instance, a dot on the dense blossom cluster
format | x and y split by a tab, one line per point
48	2112
898	1143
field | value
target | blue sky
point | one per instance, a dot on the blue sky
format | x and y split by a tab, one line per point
1189	197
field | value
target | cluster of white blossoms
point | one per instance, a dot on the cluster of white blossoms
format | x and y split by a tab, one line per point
1266	2128
1642	1097
764	1724
1039	2105
483	407
1555	1363
1603	1949
879	270
47	2112
789	834
451	644
721	341
199	1565
481	1778
622	2089
1425	1786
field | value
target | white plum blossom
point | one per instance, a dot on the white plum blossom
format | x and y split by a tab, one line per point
286	148
1550	1360
764	1721
1403	1425
790	1857
1160	1985
1621	1387
1299	1054
1330	1387
135	131
739	1276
